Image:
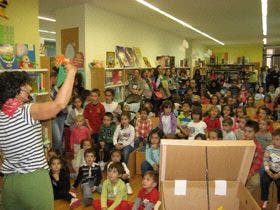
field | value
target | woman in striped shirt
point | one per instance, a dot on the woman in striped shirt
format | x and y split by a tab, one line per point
26	181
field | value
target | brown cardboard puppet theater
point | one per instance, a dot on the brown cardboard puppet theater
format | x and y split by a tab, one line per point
206	175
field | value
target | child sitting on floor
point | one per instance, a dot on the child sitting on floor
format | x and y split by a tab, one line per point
105	137
116	156
148	194
89	176
272	169
124	136
263	136
78	133
61	183
196	126
152	152
79	160
215	134
183	119
114	195
167	120
143	127
228	134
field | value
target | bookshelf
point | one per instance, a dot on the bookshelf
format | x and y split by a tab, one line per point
234	71
117	79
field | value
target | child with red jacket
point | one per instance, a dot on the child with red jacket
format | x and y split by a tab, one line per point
94	113
148	194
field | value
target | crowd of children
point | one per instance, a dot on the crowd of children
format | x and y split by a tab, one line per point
104	134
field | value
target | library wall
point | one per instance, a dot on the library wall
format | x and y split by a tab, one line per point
71	17
23	16
253	52
104	30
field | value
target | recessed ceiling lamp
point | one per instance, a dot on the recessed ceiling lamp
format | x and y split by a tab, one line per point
264	17
48	32
47	19
48	39
177	20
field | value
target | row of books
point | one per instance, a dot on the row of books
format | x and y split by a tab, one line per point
126	57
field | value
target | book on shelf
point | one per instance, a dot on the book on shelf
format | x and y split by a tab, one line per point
116	78
139	58
131	57
37	82
120	53
147	62
108	78
110	59
119	94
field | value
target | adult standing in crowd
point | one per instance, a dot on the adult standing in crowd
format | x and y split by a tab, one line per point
136	85
148	88
58	121
27	183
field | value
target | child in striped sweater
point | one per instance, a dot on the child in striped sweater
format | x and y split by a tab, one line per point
272	169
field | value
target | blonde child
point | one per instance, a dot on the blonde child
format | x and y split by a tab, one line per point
79	160
148	194
272	169
239	132
78	133
263	136
167	120
124	136
76	110
152	152
114	195
197	125
60	179
89	177
116	156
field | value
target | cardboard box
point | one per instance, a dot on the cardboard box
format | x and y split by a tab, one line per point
207	169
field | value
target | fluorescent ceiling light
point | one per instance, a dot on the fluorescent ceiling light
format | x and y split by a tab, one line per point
177	20
264	40
48	32
48	39
264	17
47	19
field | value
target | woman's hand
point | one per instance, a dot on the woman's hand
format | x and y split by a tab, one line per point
69	68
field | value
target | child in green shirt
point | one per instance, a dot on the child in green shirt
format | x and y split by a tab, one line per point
183	119
114	195
105	138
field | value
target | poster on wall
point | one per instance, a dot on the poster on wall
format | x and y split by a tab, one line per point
120	53
70	42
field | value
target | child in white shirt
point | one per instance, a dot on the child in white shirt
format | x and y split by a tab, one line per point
228	134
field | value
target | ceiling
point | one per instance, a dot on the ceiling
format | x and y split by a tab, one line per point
230	21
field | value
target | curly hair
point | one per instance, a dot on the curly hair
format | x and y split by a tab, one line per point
10	84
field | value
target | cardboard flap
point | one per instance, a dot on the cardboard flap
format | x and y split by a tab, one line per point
195	198
187	159
230	160
181	160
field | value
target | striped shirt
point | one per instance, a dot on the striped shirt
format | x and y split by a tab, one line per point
21	142
272	158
